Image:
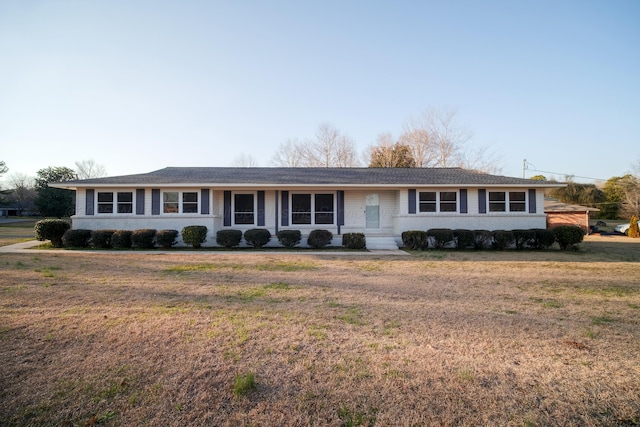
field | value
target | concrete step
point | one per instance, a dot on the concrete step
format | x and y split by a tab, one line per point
381	243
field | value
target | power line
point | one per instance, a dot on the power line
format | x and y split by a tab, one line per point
526	164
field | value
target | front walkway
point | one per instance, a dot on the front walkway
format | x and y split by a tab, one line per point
27	247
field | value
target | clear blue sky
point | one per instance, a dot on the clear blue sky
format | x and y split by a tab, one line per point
139	85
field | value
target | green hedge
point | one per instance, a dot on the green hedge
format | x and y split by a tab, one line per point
229	238
502	239
257	237
415	240
166	238
144	238
482	239
523	238
319	238
77	238
354	241
121	239
51	229
101	238
568	236
194	235
464	238
289	238
543	238
441	237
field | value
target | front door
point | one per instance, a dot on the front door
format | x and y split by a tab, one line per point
372	211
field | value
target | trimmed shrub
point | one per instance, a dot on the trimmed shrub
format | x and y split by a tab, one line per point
633	231
464	238
415	240
319	238
441	237
257	237
121	239
482	239
568	236
194	235
101	238
228	238
543	239
502	239
523	238
354	241
166	238
76	238
144	238
289	238
51	229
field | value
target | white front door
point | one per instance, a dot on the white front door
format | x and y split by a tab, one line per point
372	211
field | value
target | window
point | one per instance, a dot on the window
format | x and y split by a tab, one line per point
448	201
244	209
190	202
312	209
497	201
125	202
517	201
105	202
301	208
428	201
170	202
512	201
324	208
433	201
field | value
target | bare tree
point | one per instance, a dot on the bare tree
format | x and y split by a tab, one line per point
629	186
245	161
483	159
289	154
23	192
330	148
390	154
90	169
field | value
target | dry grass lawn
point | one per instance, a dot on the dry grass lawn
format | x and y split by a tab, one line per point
440	338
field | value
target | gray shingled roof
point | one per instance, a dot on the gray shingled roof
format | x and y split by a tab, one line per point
309	176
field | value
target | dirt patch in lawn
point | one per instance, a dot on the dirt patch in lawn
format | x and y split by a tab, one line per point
458	339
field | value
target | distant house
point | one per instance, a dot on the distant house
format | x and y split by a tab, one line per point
559	213
380	202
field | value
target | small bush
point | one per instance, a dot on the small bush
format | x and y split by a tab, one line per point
76	238
121	239
51	229
143	238
464	238
166	238
502	239
194	235
567	236
415	240
257	237
523	238
319	238
543	239
633	231
228	238
482	239
354	241
441	237
101	238
289	238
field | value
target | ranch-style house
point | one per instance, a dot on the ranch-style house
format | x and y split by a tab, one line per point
379	202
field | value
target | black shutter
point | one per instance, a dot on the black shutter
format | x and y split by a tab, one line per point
285	208
155	201
412	201
463	201
482	201
532	200
227	208
204	201
260	208
340	207
140	201
90	201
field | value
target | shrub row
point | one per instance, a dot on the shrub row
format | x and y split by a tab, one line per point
539	238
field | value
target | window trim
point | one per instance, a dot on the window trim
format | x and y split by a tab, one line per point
233	207
180	202
115	202
313	213
507	201
438	201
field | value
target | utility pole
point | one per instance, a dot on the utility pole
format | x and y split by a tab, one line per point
524	166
